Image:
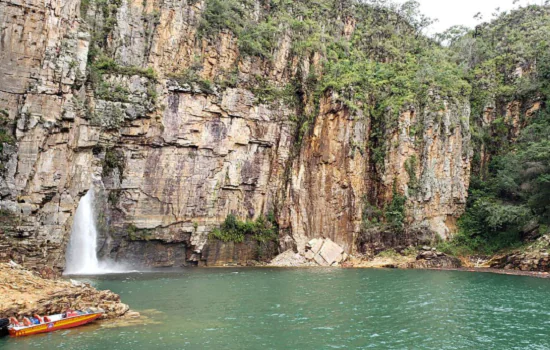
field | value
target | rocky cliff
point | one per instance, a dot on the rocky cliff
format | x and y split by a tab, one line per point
176	129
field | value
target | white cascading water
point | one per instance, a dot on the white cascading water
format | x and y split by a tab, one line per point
81	258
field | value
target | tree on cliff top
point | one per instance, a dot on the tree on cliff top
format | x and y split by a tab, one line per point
507	60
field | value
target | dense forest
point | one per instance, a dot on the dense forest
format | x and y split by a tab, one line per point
507	63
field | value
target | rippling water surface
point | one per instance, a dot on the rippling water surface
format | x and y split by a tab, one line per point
318	309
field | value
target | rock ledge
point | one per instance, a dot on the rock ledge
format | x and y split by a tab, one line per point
25	293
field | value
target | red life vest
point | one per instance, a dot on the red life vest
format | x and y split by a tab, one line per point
14	321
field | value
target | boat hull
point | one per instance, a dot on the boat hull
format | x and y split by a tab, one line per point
54	326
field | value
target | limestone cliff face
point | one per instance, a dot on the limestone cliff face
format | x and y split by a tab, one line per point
171	158
333	177
43	53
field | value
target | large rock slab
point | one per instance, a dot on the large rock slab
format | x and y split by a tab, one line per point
319	252
331	252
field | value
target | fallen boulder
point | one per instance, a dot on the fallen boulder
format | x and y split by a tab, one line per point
319	252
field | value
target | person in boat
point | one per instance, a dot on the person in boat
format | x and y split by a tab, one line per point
70	313
38	318
14	321
27	322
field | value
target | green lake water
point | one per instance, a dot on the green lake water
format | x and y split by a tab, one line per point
317	309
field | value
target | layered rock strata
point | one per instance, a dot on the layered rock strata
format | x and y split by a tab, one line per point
173	158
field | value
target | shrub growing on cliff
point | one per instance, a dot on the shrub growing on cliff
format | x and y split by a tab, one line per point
6	132
114	159
410	167
221	15
106	65
234	230
392	216
136	234
395	211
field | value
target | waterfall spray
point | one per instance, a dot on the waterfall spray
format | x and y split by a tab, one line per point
81	257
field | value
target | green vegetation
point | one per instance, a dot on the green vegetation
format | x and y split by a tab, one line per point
390	254
112	92
105	65
386	63
395	211
222	15
233	230
6	130
410	166
391	216
514	197
9	221
506	60
192	78
267	93
104	73
136	234
114	197
114	159
255	39
384	66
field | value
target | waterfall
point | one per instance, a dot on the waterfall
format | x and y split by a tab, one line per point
81	257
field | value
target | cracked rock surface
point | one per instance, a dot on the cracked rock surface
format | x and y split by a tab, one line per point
170	159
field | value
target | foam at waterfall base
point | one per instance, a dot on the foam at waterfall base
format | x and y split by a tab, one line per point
81	257
103	268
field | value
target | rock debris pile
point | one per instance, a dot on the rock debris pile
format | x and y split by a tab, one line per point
25	293
430	258
319	252
535	257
